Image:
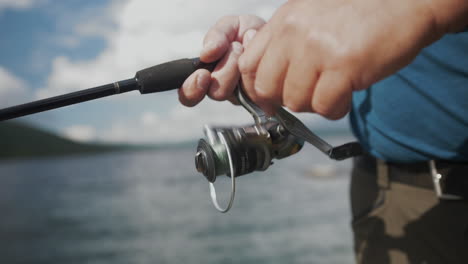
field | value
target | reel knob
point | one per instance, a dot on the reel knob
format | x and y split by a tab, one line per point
205	160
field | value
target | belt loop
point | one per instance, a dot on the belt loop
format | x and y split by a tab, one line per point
383	180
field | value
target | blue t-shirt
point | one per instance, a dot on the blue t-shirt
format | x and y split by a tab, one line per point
421	112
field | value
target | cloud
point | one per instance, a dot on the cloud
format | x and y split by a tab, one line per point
17	4
142	33
139	34
80	133
92	20
13	90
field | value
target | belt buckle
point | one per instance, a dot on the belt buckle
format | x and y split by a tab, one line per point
436	178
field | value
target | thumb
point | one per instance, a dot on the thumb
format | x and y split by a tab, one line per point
248	36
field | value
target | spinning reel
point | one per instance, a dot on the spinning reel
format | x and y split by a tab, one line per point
237	151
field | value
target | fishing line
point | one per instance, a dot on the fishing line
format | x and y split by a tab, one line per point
233	180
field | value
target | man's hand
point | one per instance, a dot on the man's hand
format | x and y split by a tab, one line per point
313	54
223	43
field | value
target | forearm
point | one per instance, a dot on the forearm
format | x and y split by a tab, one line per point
450	16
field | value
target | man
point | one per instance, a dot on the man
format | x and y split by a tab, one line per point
321	56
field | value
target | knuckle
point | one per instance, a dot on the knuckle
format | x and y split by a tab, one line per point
227	19
289	24
252	94
265	92
339	54
293	105
185	101
295	108
324	110
192	96
290	20
251	20
217	96
293	99
345	56
264	96
245	17
315	41
189	103
218	93
245	66
189	99
334	116
222	87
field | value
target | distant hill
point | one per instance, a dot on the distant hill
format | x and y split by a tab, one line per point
18	140
22	140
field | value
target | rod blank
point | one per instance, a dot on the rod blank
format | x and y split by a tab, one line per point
68	99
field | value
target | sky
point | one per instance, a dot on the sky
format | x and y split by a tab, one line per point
52	47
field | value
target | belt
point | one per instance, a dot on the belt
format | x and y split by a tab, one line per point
448	179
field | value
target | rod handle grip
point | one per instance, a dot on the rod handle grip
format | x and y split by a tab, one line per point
170	75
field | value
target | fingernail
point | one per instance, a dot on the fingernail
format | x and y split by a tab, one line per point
203	82
237	48
249	35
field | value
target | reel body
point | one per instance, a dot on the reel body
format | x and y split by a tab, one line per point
253	148
237	151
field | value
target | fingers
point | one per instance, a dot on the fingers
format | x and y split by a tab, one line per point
194	88
226	74
332	95
250	60
219	84
248	23
270	78
221	44
219	38
273	71
299	85
228	29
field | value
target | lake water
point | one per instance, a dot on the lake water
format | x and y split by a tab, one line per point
152	207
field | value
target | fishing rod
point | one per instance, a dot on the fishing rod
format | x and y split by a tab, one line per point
159	78
226	151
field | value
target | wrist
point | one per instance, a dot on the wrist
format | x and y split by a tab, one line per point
450	16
